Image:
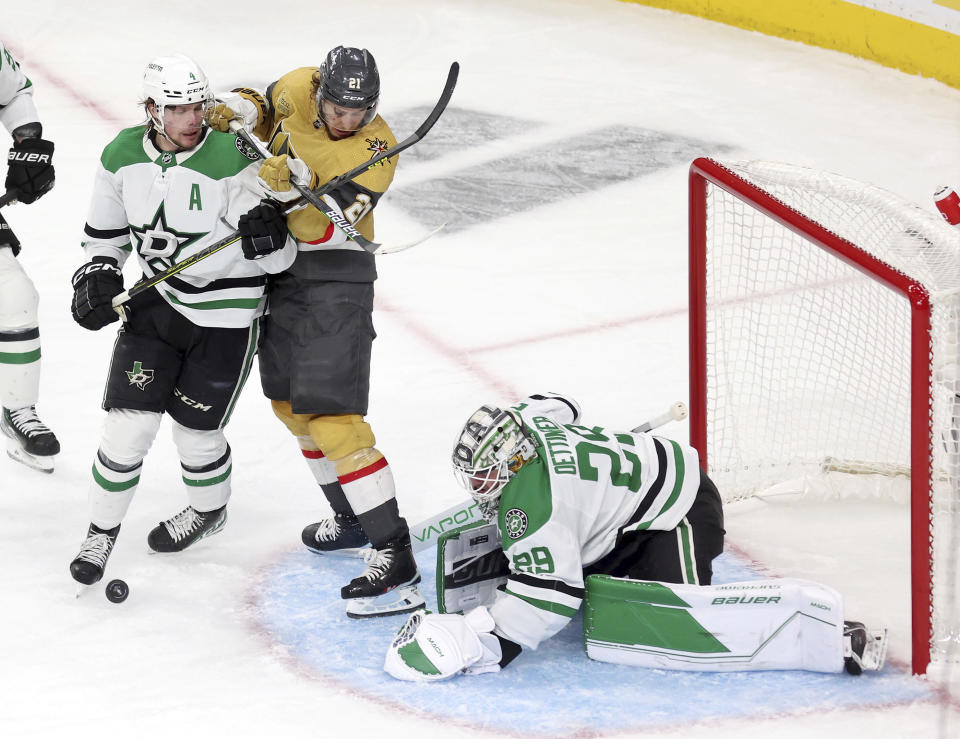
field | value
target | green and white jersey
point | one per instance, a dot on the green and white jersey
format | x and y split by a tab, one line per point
166	206
16	93
565	509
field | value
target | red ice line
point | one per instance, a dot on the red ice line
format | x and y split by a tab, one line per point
35	65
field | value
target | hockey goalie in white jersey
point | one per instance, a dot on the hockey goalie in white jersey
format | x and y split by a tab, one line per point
628	524
163	191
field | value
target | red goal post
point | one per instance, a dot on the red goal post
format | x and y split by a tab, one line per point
826	310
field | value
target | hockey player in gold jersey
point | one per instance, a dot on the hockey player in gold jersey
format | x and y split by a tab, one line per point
315	354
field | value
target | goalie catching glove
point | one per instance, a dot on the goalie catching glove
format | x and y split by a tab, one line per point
433	646
95	285
30	171
263	231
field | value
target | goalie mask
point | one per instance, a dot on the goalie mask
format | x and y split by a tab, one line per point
174	80
490	451
348	79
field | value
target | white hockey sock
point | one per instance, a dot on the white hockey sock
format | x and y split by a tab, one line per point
370	484
208	487
325	473
206	464
111	491
127	436
321	468
19	367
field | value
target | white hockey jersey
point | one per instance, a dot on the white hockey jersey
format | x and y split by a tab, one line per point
564	510
16	93
167	206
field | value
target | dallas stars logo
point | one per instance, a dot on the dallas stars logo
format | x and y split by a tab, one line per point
377	146
515	522
158	242
139	376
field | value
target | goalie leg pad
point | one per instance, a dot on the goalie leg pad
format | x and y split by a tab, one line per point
781	624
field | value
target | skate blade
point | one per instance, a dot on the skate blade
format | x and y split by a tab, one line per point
81	588
355	553
399	600
16	452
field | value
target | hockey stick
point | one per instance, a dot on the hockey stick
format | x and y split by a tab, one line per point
426	533
10	196
429	121
676	412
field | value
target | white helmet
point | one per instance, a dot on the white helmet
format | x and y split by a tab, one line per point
491	449
174	80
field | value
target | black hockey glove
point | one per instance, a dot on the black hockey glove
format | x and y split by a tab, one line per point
263	230
95	285
30	169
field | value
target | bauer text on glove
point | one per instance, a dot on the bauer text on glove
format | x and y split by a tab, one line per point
30	171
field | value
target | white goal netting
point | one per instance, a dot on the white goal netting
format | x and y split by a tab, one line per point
812	386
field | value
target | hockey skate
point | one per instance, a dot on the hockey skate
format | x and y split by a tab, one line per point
187	527
29	440
862	649
341	536
387	586
87	568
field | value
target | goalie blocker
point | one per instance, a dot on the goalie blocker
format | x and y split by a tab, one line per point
776	624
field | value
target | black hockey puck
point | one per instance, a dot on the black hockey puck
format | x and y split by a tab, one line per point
117	591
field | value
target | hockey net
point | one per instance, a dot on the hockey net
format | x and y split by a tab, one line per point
824	361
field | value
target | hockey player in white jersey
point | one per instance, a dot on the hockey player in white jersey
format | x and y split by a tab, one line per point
628	523
30	175
164	190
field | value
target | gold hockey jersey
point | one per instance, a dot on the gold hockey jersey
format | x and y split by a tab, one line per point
291	125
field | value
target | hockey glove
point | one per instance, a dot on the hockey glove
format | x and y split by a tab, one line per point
276	174
242	104
263	230
30	169
95	285
433	646
218	117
